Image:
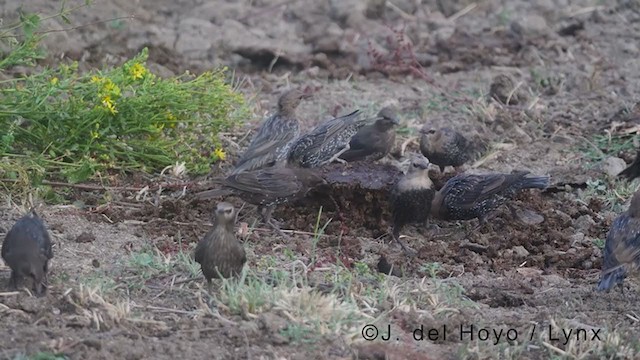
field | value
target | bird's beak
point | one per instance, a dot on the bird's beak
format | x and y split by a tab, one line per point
395	121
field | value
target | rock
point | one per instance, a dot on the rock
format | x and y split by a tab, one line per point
577	238
611	166
273	325
530	25
584	223
85	237
529	217
520	251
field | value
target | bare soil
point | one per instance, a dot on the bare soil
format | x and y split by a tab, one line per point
575	67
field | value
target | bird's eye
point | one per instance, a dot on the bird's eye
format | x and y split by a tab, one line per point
415	165
228	211
432	131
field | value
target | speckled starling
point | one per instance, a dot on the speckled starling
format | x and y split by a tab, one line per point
469	196
27	250
633	170
267	188
326	142
219	253
622	248
271	144
411	197
374	141
445	147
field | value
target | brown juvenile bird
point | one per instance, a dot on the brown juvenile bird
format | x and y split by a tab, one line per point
445	147
621	253
326	142
411	198
633	170
505	90
271	144
219	253
27	250
468	196
267	188
374	141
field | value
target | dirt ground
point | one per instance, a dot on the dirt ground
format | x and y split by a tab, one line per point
123	290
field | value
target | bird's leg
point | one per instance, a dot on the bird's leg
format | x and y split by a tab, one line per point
396	237
267	219
336	157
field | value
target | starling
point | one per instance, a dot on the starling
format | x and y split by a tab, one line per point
445	147
326	142
468	196
271	144
622	247
219	253
27	250
411	197
374	141
267	188
504	89
633	170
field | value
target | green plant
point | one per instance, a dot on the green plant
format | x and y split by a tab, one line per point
61	123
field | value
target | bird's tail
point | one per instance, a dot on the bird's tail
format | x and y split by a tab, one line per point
535	182
611	278
633	170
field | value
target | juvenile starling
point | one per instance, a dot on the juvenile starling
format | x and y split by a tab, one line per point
468	196
27	250
219	253
271	144
622	247
633	170
445	147
374	141
326	142
411	197
267	188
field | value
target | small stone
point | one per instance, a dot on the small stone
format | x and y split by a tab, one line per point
95	263
520	251
529	217
530	24
612	166
577	238
584	223
85	237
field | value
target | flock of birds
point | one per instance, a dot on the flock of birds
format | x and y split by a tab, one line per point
280	165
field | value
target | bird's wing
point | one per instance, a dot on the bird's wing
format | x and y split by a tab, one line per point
362	144
473	189
270	183
275	133
316	138
198	253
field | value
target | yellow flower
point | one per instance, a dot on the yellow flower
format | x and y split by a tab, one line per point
111	88
172	119
137	71
96	79
95	134
108	104
220	154
54	81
